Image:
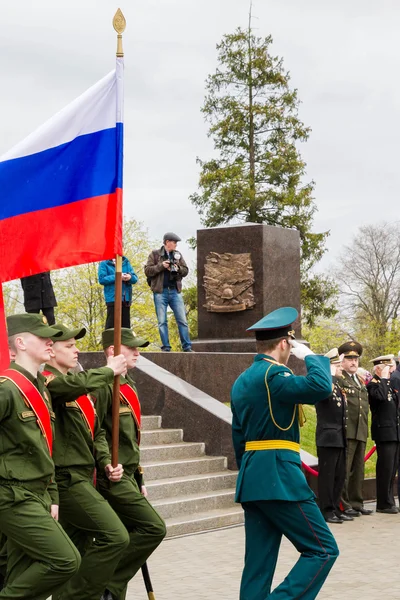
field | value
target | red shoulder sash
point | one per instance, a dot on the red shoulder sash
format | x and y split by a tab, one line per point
35	400
85	405
131	398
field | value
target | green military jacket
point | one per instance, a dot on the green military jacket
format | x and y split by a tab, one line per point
128	449
264	402
73	444
24	454
357	405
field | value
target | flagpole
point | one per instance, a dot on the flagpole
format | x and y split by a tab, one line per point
119	25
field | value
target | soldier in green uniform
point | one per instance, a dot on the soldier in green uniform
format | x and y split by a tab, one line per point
28	492
271	485
357	429
127	497
88	519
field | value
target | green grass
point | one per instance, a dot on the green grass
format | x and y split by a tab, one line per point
307	438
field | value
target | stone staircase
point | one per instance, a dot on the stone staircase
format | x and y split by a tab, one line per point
191	491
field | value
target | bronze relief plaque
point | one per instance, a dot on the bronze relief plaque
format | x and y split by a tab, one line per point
228	282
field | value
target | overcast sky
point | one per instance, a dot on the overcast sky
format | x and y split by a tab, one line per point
344	59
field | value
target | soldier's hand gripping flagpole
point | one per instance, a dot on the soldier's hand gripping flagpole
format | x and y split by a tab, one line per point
119	24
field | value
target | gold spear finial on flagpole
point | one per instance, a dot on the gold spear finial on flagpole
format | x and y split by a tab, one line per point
119	24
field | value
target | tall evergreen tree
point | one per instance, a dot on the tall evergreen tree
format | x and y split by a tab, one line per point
258	171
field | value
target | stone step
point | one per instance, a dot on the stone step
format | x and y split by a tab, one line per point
161	436
192	503
150	422
190	484
204	521
180	468
171	451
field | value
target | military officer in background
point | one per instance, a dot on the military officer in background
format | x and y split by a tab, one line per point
88	519
385	431
357	429
271	485
128	496
331	446
28	493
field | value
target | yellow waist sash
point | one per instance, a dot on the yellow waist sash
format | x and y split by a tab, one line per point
272	445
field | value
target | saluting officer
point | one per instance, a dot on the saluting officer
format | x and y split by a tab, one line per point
28	493
357	429
128	496
271	485
88	519
331	446
385	431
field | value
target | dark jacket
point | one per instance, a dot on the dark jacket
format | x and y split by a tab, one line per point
384	403
331	419
154	270
106	274
38	292
357	407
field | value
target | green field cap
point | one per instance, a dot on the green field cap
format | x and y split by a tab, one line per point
31	323
68	334
128	338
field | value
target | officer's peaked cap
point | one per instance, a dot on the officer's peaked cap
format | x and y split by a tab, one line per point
383	360
277	324
351	349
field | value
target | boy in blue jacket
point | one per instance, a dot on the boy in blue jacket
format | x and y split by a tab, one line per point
106	274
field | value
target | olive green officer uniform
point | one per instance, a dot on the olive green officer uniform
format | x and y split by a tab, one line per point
357	430
88	519
28	488
146	528
271	485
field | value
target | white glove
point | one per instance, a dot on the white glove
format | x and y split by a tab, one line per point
299	350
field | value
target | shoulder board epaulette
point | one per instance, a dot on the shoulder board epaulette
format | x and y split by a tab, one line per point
374	380
2	379
49	378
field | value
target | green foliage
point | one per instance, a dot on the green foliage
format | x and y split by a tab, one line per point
257	174
325	335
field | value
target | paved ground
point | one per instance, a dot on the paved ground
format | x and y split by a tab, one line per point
208	566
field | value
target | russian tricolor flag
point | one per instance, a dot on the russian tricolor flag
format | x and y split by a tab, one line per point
61	188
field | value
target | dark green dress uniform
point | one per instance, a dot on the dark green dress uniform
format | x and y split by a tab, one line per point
146	528
27	489
88	519
271	485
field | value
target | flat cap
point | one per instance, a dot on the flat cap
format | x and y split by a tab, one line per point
334	356
351	349
68	334
128	338
170	235
387	359
277	324
31	323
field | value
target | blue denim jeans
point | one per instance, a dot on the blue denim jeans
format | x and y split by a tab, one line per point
171	297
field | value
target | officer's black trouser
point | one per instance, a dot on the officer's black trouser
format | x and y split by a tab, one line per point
386	466
331	478
126	315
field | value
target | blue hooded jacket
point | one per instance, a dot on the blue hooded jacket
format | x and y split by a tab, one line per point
106	273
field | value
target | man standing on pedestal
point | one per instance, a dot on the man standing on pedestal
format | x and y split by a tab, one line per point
357	429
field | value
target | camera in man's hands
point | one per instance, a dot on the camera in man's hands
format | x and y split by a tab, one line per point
173	264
